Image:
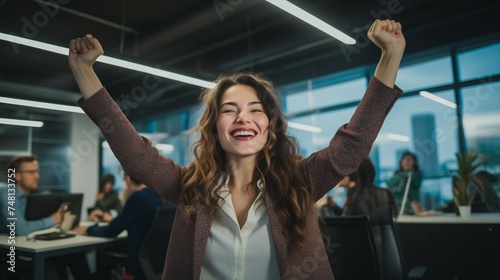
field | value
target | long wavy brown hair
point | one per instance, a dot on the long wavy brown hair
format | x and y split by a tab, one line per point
276	164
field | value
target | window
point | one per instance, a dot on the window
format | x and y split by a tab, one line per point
311	97
425	127
13	138
166	132
428	129
329	122
481	119
479	62
425	75
49	143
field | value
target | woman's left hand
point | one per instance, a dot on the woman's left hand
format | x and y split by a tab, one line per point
387	35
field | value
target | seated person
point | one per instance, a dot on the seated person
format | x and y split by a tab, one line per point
26	180
326	207
408	169
136	218
351	183
107	199
486	195
367	199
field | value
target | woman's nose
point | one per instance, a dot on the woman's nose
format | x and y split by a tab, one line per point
243	117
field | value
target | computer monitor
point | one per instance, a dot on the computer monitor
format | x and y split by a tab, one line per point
40	206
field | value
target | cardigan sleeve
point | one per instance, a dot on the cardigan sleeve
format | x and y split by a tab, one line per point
138	157
352	141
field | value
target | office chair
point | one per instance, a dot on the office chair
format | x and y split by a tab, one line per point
389	255
153	249
154	246
350	247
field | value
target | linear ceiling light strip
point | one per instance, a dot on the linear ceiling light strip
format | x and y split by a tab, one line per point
312	20
109	60
304	127
21	122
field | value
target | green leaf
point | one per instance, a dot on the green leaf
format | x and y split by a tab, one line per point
467	165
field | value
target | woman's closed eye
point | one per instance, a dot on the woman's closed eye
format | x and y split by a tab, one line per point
256	108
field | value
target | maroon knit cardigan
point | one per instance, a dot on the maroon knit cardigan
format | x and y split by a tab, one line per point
324	169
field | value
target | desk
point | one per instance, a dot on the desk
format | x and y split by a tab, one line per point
451	218
452	247
39	250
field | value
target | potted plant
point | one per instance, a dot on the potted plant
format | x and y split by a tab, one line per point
462	194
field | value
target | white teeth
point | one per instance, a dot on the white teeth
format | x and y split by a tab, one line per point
244	133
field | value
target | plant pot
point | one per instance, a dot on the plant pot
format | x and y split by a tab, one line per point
464	211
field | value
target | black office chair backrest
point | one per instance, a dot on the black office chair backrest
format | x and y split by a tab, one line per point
350	248
155	244
389	254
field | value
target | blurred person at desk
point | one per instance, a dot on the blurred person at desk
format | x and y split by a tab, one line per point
327	205
486	193
27	175
365	198
136	218
408	171
107	199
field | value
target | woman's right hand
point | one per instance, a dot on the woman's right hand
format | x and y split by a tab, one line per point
83	52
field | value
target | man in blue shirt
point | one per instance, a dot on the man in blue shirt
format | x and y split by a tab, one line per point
136	218
26	177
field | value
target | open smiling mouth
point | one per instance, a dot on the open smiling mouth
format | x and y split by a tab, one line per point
243	134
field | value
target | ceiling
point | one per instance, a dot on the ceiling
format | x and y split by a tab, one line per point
204	38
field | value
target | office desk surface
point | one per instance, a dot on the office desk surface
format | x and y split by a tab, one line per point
451	218
39	250
38	246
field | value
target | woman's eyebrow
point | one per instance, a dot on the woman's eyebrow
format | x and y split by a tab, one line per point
234	103
255	103
228	104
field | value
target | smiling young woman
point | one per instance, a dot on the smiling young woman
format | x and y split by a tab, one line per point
242	123
245	203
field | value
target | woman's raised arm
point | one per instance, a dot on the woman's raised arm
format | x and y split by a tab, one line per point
137	155
83	52
388	36
353	141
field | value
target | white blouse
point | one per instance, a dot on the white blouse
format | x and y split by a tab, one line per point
237	254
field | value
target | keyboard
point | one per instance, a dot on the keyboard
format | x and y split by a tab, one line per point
53	235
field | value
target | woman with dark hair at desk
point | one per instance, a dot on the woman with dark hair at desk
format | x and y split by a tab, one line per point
107	199
368	199
408	171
